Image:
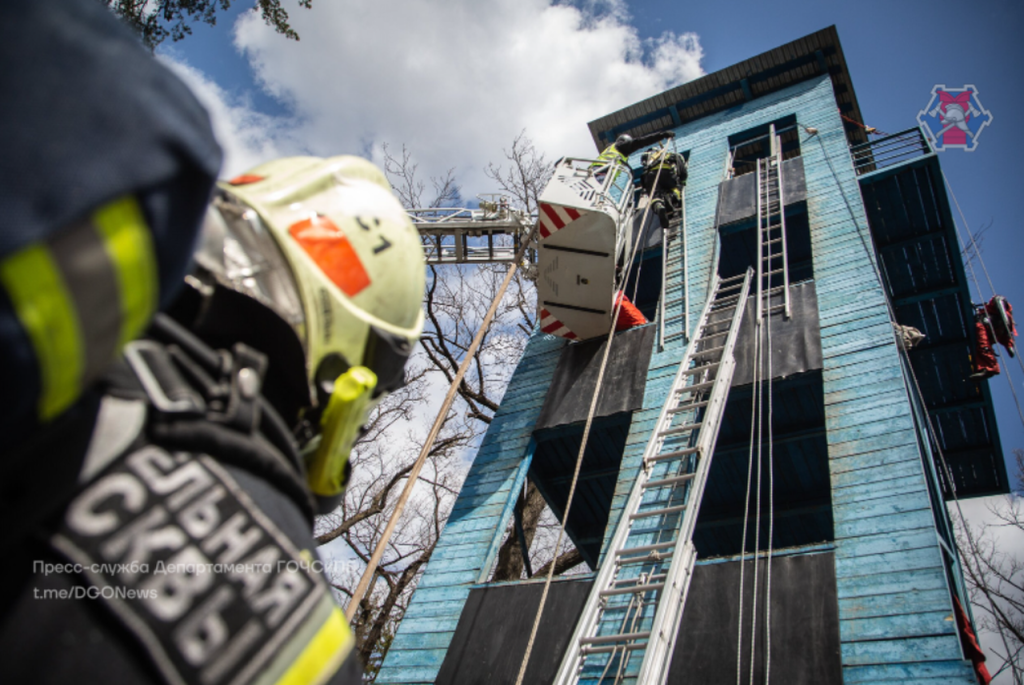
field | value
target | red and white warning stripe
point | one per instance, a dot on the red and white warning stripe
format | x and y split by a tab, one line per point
556	217
549	324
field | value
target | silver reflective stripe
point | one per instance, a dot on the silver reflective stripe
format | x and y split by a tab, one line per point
118	423
91	280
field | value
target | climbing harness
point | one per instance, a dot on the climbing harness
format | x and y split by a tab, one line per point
977	285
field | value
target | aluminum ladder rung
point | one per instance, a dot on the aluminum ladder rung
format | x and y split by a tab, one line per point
658	512
697	387
650	579
711	324
698	369
689	406
620	637
679	429
707	352
646	559
668	518
725	301
585	651
712	335
673	454
662	482
646	548
632	590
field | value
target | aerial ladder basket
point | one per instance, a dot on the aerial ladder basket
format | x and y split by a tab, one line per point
586	229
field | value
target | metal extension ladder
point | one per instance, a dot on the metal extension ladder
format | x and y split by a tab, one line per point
628	627
773	266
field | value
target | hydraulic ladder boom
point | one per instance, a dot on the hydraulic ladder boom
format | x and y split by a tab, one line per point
459	235
628	627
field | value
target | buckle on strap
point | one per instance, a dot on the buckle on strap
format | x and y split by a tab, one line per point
164	386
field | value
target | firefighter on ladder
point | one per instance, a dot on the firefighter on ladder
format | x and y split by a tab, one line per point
663	179
161	473
625	145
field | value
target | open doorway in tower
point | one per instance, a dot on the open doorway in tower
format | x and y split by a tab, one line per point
784	450
775	427
746	147
555	446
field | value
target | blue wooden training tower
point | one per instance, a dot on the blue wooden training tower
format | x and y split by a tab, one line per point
845	479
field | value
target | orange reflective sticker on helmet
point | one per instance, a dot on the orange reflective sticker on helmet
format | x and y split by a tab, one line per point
245	179
333	253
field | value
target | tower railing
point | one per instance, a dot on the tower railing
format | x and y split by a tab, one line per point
889	151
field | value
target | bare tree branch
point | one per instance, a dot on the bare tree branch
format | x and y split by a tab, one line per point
455	303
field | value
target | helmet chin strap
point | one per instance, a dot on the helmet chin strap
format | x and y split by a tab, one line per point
340	423
221	316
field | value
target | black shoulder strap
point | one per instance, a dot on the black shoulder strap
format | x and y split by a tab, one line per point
208	401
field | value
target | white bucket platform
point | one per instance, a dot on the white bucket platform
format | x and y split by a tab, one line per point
586	224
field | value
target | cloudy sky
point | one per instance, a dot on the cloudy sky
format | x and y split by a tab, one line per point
457	80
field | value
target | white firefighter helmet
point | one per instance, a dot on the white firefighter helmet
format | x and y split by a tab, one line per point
325	244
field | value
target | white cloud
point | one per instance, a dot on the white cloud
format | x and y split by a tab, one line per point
247	136
455	80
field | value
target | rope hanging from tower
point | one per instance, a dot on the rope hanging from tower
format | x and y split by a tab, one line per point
583	446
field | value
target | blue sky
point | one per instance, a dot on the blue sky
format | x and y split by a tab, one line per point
896	52
456	80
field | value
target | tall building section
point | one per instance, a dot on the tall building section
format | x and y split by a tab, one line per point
836	446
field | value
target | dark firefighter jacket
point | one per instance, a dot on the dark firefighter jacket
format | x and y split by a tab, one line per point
620	153
139	545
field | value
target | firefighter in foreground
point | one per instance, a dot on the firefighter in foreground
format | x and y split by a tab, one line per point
161	471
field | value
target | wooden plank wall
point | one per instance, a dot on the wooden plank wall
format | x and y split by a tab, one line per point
474	531
894	601
894	604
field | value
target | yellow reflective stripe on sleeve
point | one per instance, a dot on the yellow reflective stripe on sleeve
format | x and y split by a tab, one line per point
323	655
130	247
41	302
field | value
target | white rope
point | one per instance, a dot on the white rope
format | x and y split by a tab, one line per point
771	508
579	461
622	629
439	421
977	286
757	512
643	226
970	235
746	511
930	427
